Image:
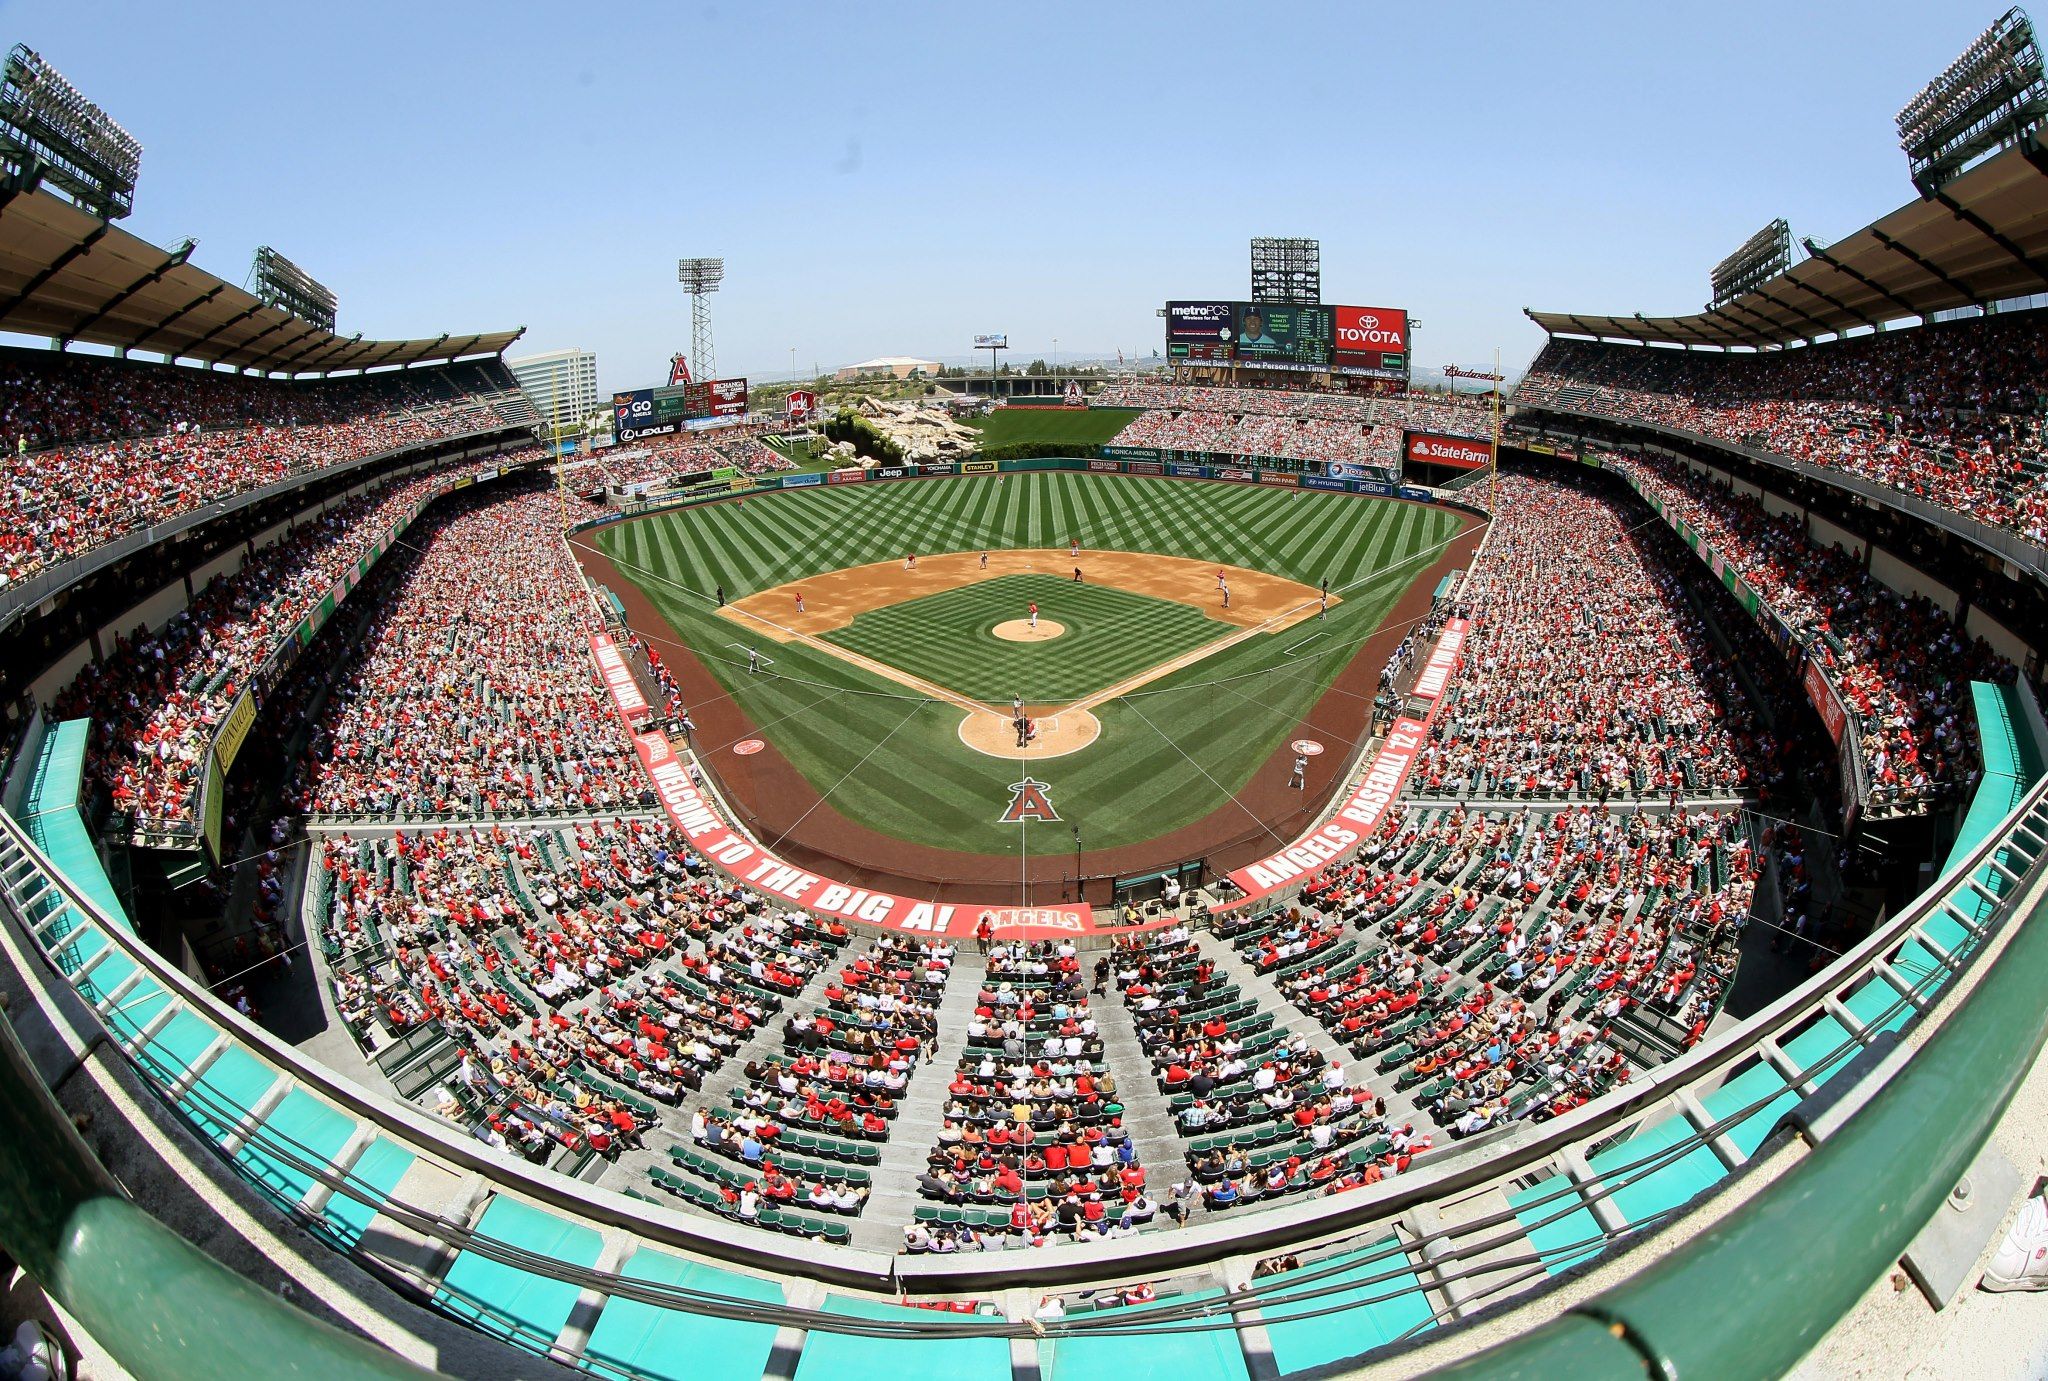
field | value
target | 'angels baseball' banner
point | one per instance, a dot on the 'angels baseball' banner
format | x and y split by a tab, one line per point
618	679
1350	826
747	862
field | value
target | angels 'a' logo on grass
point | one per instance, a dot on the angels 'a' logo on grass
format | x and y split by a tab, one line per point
1029	800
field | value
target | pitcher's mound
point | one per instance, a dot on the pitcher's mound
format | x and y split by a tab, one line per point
1069	731
1021	631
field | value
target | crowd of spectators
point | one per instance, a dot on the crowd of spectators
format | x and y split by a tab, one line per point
657	461
1588	673
157	696
587	974
1513	959
92	449
472	691
1951	413
1900	662
1279	438
1317	428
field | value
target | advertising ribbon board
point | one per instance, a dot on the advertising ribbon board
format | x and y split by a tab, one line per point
1443	659
747	862
1351	824
618	679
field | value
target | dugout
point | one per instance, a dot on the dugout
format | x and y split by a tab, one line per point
1137	888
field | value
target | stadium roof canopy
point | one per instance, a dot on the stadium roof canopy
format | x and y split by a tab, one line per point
1981	238
66	274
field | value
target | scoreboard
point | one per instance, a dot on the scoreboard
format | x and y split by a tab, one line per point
1318	337
654	411
1282	335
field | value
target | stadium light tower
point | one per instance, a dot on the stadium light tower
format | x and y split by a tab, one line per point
701	277
51	135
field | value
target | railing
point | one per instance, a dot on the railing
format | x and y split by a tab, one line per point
1464	1266
157	1304
1914	1140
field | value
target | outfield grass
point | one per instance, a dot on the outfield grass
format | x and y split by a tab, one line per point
1067	426
1168	755
1110	634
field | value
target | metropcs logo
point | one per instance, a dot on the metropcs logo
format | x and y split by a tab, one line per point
1029	800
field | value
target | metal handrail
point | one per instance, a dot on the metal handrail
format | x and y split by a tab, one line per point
1523	1149
1933	1116
157	1304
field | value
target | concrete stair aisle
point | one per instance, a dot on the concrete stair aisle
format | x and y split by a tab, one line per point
915	1130
1160	1148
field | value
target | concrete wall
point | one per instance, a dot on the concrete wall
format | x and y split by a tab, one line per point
2003	640
1828	534
1910	580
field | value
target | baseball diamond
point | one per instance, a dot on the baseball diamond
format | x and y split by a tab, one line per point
1189	705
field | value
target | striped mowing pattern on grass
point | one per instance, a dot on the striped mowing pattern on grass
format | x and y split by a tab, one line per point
1110	634
1168	754
1075	426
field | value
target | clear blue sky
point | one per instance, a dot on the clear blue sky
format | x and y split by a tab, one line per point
894	178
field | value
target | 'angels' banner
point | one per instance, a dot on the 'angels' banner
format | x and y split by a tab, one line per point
1443	659
1353	822
732	852
618	679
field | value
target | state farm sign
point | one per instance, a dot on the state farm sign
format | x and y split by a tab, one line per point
1371	331
1456	452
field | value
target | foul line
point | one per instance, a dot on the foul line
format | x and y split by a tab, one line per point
827	795
1211	780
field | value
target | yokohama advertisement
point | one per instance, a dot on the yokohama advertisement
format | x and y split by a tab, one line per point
732	852
1343	831
1453	452
1365	335
618	679
728	397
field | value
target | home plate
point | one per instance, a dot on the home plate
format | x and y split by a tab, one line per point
1069	731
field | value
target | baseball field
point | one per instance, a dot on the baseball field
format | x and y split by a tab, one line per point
865	691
